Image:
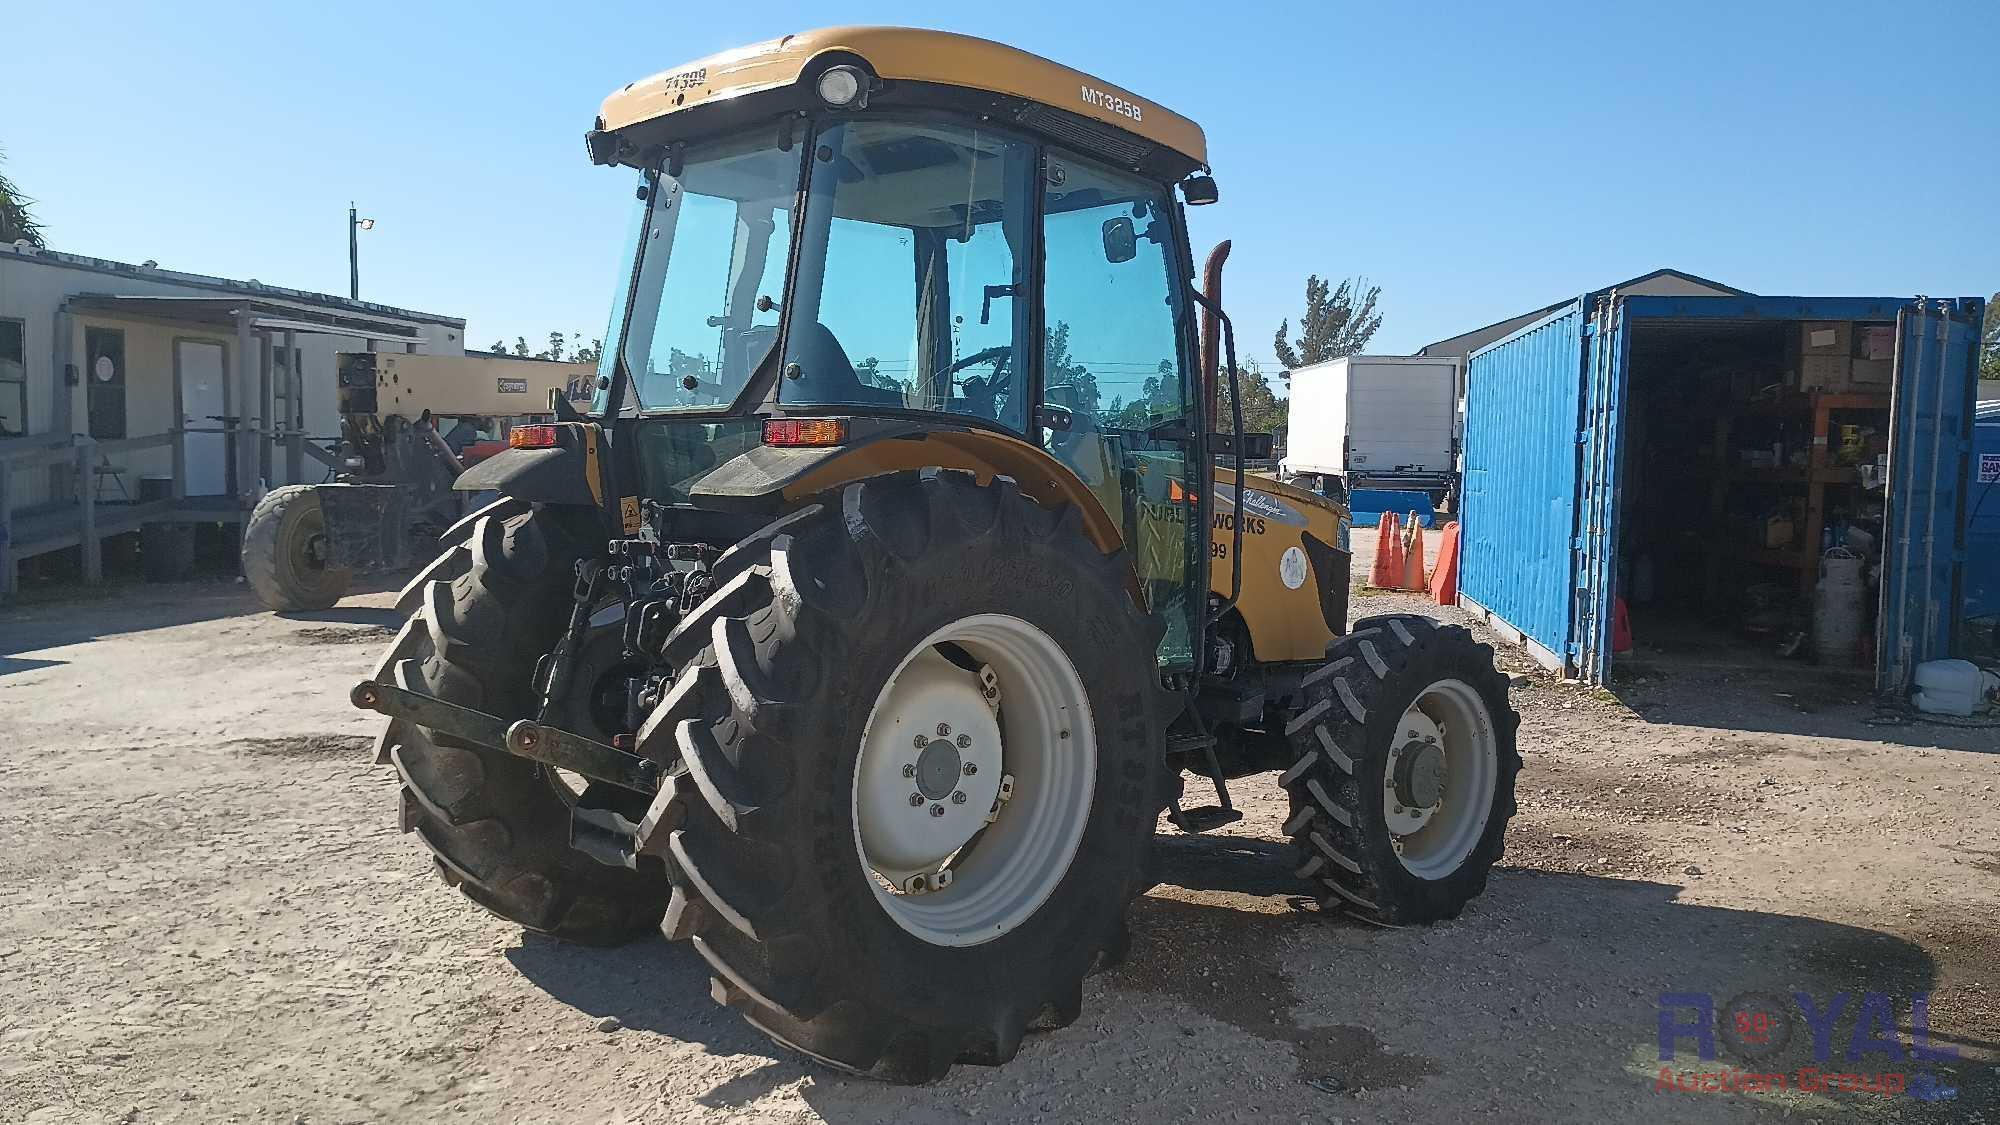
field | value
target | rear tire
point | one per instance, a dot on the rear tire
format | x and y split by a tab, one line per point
284	551
498	825
784	669
1356	720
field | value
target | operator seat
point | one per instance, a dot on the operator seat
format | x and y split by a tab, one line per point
826	374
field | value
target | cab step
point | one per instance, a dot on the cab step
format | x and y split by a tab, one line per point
1204	818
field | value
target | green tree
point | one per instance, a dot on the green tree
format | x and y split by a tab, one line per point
1264	410
499	347
587	353
1060	370
1337	322
521	346
16	223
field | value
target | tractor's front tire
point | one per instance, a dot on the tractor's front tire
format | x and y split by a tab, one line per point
284	552
829	717
498	825
1403	779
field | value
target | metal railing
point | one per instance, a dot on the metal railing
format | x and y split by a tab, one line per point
82	457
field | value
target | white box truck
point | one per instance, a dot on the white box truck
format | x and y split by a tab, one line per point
1376	421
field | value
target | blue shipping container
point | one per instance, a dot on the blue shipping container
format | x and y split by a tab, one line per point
1545	414
1982	530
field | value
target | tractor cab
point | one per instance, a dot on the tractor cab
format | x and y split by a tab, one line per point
883	234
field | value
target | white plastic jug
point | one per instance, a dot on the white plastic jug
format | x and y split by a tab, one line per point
1949	687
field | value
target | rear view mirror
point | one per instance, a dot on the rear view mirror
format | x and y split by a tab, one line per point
1121	243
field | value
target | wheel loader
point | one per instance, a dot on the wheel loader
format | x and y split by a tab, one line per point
409	425
900	572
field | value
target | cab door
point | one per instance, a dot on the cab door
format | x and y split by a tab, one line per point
1117	403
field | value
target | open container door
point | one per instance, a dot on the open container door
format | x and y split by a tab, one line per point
1524	399
1930	441
1598	445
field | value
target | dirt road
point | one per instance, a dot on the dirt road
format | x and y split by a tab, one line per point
206	914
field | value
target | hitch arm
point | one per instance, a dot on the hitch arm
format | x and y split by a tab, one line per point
524	739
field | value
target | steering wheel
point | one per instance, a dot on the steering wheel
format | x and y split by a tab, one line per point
985	395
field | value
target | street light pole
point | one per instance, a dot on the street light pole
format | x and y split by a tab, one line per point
355	225
353	254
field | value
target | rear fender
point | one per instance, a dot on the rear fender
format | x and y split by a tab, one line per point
569	473
769	479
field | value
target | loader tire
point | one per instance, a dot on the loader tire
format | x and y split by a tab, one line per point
284	552
792	674
1360	754
498	825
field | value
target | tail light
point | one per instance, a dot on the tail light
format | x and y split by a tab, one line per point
805	431
533	437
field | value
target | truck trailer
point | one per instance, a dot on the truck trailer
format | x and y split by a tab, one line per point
1376	422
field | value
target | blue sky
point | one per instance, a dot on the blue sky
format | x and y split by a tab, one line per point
1475	161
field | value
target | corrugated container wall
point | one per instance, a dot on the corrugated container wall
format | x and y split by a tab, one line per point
1521	477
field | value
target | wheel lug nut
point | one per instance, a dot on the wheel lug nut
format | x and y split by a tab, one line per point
920	742
944	730
964	740
958	798
970	768
909	771
937	810
916	799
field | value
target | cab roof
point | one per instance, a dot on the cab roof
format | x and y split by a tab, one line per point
903	54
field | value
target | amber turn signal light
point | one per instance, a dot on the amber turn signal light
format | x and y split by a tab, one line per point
533	437
805	431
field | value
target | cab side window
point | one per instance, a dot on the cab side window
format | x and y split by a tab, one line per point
1114	374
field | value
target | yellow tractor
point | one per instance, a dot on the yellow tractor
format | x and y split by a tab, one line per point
863	628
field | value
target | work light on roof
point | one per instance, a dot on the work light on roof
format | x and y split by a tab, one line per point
841	86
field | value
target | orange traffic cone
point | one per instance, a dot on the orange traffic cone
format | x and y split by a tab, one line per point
1444	576
1414	579
1388	570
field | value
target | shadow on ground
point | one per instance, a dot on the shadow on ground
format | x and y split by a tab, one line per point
1798	700
75	615
1547	988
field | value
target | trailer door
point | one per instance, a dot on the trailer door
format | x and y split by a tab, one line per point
1930	441
1523	402
1607	346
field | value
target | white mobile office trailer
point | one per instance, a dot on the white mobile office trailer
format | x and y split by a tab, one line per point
1376	421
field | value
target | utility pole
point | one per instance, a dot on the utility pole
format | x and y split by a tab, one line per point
355	225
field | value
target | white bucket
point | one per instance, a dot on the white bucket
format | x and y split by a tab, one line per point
1948	687
1837	602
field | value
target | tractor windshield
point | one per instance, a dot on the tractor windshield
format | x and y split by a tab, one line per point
705	307
913	289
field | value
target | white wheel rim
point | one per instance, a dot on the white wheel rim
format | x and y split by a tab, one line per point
1433	840
1042	743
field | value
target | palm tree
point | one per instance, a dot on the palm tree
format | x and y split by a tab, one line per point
16	223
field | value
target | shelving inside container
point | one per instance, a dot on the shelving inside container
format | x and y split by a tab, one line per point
1750	449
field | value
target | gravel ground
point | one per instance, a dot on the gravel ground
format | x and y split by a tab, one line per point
206	914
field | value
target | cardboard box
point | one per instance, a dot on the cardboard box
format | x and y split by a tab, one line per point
1830	373
1826	338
